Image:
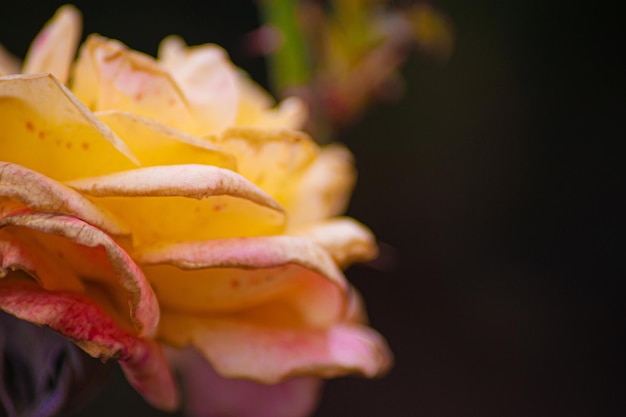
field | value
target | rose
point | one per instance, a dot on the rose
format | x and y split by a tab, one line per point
176	177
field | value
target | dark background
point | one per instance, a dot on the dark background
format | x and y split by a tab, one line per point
494	184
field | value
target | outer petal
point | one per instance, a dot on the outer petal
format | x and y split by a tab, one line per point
155	144
84	322
271	159
9	64
269	354
208	81
109	76
344	238
324	189
45	128
54	48
234	207
256	108
207	394
65	253
40	193
278	279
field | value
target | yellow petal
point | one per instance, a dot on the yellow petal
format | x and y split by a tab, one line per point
243	349
256	108
54	48
109	76
168	204
271	159
324	189
278	278
344	238
40	193
155	144
61	251
45	128
207	79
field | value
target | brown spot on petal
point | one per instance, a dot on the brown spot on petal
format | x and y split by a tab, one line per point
235	283
68	145
84	145
41	135
30	127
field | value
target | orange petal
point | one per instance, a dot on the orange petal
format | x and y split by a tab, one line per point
54	48
279	278
344	238
59	251
270	354
208	80
154	143
272	159
45	128
234	207
81	320
109	76
324	189
40	193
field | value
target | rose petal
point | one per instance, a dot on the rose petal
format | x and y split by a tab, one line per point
109	76
256	108
277	279
84	322
9	64
271	159
61	251
324	189
207	394
208	80
270	354
155	144
234	207
40	193
45	128
54	48
344	238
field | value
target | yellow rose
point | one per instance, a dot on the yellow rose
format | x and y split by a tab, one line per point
147	202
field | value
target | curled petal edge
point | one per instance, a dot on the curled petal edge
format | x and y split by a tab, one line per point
81	320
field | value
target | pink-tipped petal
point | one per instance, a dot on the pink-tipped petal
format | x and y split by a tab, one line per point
344	238
207	394
90	327
208	80
270	354
54	48
41	193
199	202
86	253
280	278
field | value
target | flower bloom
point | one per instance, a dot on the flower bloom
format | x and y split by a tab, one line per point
167	202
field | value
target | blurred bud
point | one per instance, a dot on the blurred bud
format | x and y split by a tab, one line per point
42	374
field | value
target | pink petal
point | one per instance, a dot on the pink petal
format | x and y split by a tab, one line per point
269	354
54	48
90	327
207	394
57	248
